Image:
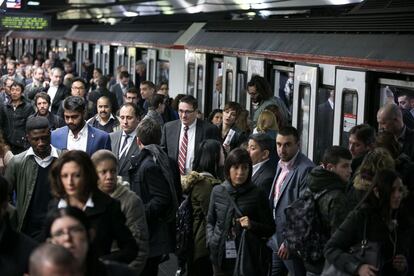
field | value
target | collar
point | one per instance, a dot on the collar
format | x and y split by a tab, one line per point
288	165
89	203
111	117
190	126
331	103
81	132
53	153
257	166
132	134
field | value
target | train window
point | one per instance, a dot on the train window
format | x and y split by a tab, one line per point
200	81
150	72
324	122
163	70
229	85
348	114
131	62
190	78
241	95
304	115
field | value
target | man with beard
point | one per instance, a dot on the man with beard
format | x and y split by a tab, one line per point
262	96
37	85
28	173
42	103
104	120
11	73
77	134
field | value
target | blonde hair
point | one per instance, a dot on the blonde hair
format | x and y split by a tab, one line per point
375	160
267	121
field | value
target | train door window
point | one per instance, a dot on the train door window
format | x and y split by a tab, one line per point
349	112
200	81
283	84
324	116
163	70
131	63
241	88
304	115
190	78
229	85
150	71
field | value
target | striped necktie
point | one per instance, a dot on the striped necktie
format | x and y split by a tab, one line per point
182	157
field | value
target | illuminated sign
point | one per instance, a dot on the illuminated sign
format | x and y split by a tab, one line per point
16	22
14	4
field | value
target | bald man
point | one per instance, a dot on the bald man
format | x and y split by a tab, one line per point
53	260
389	118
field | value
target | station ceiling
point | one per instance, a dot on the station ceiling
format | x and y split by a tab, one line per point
115	10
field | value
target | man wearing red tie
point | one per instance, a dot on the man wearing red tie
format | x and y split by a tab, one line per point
288	185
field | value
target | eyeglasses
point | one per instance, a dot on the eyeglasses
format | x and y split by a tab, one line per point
71	231
186	112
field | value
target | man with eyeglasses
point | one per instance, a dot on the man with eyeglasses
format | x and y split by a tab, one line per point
181	137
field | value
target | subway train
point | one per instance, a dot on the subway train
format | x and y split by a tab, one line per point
355	60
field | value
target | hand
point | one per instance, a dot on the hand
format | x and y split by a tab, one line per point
245	222
283	252
367	270
399	263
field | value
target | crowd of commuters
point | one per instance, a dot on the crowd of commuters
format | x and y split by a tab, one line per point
94	171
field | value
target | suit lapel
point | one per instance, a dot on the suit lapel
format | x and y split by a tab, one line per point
117	143
90	141
198	134
64	137
175	137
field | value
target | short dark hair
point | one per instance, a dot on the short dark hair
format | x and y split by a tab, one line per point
42	95
189	99
36	122
207	157
262	86
264	141
364	133
102	81
103	155
237	156
233	106
132	90
137	110
88	173
99	70
334	154
74	103
79	80
149	132
213	113
156	100
19	84
150	84
105	98
289	130
123	74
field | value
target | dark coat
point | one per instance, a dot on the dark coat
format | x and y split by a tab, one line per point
251	201
351	232
61	93
15	250
124	163
238	138
407	140
149	183
264	176
108	221
54	120
332	205
171	136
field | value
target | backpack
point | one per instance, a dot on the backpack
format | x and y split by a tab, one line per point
303	229
184	228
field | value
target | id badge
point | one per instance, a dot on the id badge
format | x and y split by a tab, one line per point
231	252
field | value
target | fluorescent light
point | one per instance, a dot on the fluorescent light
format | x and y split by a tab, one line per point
33	3
130	13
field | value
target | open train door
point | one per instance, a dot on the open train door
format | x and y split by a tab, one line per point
151	64
132	57
105	59
200	81
229	79
304	101
350	101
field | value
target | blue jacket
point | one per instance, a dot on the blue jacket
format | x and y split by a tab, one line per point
97	139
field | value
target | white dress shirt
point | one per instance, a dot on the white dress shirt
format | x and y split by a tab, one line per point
190	146
89	203
52	93
80	142
47	160
131	139
257	166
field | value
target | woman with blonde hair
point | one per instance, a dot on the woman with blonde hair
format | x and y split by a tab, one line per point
267	124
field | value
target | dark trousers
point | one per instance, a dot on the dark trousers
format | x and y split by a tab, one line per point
151	267
293	266
200	267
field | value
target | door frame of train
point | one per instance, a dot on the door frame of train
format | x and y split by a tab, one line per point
97	55
200	62
132	57
151	64
307	74
229	65
105	63
348	79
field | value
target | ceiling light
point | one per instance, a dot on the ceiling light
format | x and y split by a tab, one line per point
130	13
33	3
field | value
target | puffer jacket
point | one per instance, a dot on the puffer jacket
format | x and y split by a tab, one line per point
251	201
200	186
332	205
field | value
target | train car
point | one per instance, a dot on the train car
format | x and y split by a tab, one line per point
351	62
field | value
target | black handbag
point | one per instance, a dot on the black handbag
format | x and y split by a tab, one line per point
252	255
367	252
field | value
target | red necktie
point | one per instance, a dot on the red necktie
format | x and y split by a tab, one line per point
183	152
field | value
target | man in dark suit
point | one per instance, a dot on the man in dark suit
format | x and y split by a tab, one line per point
260	149
123	141
57	91
324	127
120	88
77	134
181	137
288	185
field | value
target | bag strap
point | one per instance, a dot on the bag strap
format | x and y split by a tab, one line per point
234	205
